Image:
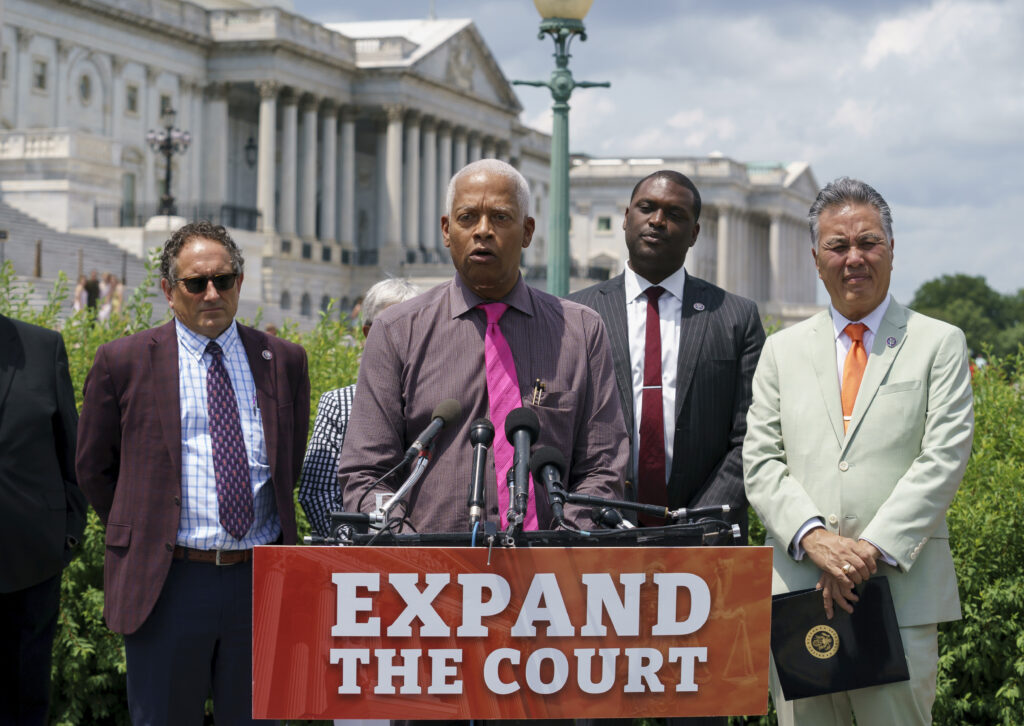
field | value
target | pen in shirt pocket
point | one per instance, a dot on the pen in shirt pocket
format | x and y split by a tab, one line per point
255	404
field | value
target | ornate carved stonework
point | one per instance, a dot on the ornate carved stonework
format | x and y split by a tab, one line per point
459	72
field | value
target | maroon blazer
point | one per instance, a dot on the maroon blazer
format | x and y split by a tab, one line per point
129	453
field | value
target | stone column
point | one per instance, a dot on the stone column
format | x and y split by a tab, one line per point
289	162
199	142
461	149
428	212
307	185
444	175
776	258
725	220
411	234
117	97
391	251
217	151
474	146
265	167
488	148
348	178
60	79
380	183
151	120
329	172
23	73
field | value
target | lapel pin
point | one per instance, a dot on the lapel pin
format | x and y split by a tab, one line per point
267	355
890	341
698	306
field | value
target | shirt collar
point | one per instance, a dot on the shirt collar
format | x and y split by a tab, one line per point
636	285
873	319
463	299
195	344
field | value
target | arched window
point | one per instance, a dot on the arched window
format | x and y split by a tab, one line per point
286	300
306	306
325	302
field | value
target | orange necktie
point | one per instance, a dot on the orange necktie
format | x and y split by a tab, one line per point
853	369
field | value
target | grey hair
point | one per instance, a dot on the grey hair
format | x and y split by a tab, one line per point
492	166
386	293
845	190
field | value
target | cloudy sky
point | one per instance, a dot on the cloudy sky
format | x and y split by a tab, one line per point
924	99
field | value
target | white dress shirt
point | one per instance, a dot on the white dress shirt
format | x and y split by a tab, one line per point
670	313
839	322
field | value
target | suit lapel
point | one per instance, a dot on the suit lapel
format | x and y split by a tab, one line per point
11	356
264	376
162	370
611	306
693	326
880	360
823	359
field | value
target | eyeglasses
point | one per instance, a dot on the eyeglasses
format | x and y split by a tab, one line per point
196	285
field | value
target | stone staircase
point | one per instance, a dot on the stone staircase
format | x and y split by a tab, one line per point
39	252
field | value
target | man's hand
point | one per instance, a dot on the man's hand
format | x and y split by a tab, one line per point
836	592
849	561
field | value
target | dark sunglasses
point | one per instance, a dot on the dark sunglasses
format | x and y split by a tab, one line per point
196	285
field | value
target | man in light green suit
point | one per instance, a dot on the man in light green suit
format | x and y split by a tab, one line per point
844	500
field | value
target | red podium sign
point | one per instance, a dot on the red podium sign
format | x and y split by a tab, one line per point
432	633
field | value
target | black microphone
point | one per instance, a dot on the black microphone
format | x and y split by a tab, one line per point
446	412
521	430
481	434
548	465
609	517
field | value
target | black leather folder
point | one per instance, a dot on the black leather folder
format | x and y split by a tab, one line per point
815	656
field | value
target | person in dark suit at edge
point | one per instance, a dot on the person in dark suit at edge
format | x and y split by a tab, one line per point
695	365
42	510
190	444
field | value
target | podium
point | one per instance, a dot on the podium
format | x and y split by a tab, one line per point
628	623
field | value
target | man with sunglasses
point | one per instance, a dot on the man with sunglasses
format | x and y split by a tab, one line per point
190	443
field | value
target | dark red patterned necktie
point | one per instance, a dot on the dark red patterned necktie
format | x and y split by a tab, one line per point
230	463
651	457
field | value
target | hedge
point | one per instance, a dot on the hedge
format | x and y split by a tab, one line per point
981	663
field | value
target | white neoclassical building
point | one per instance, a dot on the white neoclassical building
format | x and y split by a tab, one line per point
754	240
325	149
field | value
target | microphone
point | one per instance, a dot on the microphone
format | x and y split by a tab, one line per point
446	412
481	434
521	430
609	517
548	465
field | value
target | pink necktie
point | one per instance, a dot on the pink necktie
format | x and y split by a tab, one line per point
230	462
503	396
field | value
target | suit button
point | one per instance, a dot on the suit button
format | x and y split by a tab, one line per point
169	546
833	519
843	466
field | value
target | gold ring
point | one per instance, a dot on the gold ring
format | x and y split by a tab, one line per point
847	568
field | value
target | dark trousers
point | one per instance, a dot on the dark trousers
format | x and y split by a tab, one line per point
28	621
197	641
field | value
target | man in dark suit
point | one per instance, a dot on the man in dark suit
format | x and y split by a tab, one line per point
690	367
709	344
42	510
189	447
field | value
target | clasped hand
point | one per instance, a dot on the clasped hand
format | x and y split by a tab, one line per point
843	562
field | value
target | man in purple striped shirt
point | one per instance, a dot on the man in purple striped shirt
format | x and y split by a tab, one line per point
421	352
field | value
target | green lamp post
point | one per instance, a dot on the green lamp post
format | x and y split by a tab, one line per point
561	19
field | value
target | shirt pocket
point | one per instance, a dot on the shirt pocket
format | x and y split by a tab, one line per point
556	415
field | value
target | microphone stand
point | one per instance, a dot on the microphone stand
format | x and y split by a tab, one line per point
381	516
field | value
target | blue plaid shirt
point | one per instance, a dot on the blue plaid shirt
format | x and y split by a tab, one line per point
199	526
